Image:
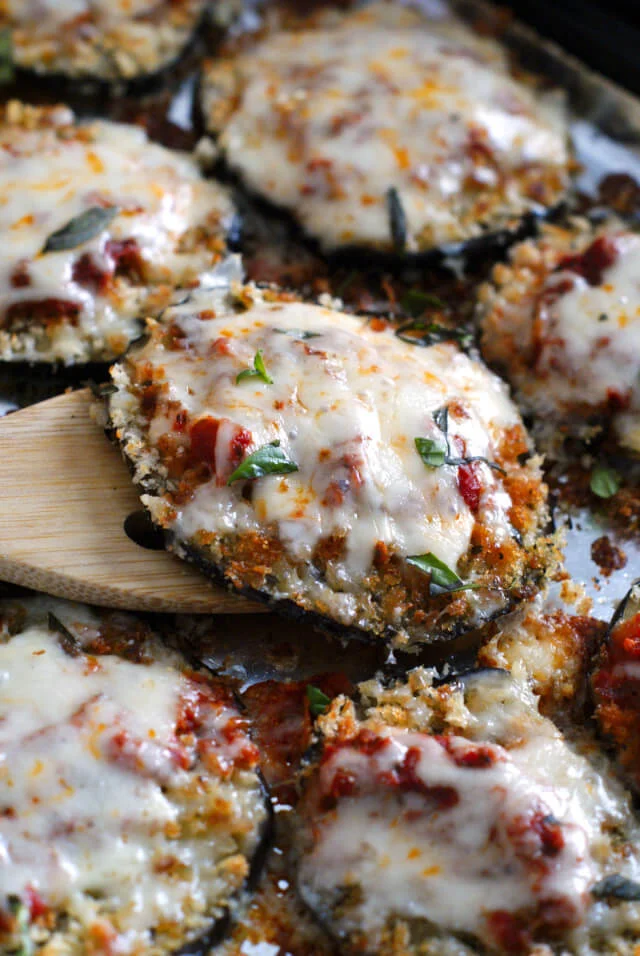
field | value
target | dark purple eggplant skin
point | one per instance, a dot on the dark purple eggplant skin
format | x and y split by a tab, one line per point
491	246
325	625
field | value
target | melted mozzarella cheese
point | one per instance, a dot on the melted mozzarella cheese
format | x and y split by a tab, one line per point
452	866
325	121
450	830
591	344
99	814
53	173
346	405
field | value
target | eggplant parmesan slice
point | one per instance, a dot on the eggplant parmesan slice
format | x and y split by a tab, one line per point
454	820
381	127
99	227
298	455
562	321
616	685
131	807
100	40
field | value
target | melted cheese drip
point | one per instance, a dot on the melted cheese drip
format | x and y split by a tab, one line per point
346	406
329	120
587	356
47	179
92	819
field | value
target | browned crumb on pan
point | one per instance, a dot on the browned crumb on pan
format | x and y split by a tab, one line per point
608	556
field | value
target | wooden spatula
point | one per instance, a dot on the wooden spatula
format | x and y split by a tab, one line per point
65	493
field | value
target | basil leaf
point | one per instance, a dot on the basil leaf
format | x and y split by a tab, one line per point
616	887
469	458
66	639
258	370
441	418
434	334
6	57
299	333
397	220
318	702
604	482
443	579
80	229
415	302
266	460
431	452
20	913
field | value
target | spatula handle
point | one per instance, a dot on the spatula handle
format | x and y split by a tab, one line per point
65	494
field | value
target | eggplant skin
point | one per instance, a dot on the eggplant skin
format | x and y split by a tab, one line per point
503	557
132	53
448	627
408	841
189	791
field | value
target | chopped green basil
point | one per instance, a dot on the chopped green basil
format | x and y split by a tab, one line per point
299	333
80	229
433	334
441	418
318	702
616	887
415	302
258	370
6	57
397	220
20	913
605	482
432	454
443	579
266	460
